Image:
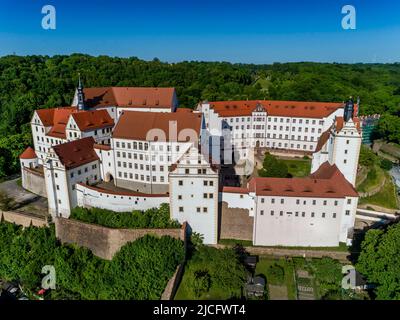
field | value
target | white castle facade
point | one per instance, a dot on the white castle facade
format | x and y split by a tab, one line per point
127	149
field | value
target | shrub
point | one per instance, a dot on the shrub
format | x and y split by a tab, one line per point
275	274
200	282
386	164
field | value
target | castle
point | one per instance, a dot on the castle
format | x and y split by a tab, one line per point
124	148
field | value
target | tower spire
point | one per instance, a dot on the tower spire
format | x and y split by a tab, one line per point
81	95
349	110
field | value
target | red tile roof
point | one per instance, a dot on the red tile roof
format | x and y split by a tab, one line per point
124	192
29	153
339	123
136	125
50	116
235	190
57	118
105	147
76	153
326	182
323	139
135	97
276	108
91	120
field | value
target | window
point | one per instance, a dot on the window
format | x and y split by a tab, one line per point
297	201
56	175
281	213
296	213
58	187
272	212
179	197
314	202
205	195
282	201
272	200
210	196
211	183
336	202
198	209
262	200
262	212
72	174
205	210
325	202
348	201
334	215
347	212
323	214
205	182
312	214
59	201
186	171
180	209
303	214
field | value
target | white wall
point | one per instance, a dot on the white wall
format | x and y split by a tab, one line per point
287	229
194	197
240	201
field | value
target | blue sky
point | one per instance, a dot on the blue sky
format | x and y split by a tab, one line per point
251	31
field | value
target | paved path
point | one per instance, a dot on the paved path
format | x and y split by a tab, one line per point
19	194
342	256
26	202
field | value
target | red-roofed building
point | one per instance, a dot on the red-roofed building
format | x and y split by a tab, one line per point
66	165
280	126
58	125
318	210
118	99
340	145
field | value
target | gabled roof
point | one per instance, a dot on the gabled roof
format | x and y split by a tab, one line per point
52	116
136	125
326	182
29	153
76	153
57	118
60	120
299	109
91	120
135	97
338	126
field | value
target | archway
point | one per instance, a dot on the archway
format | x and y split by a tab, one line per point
109	177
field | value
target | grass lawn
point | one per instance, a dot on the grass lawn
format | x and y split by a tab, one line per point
264	268
385	198
298	167
184	293
374	178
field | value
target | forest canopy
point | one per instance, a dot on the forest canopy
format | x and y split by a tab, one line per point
32	82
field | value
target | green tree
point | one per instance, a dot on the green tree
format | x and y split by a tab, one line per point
379	261
272	167
200	283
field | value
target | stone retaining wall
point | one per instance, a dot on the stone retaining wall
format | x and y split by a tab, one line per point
22	219
105	242
236	223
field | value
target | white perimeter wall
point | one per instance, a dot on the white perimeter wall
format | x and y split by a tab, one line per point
87	197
